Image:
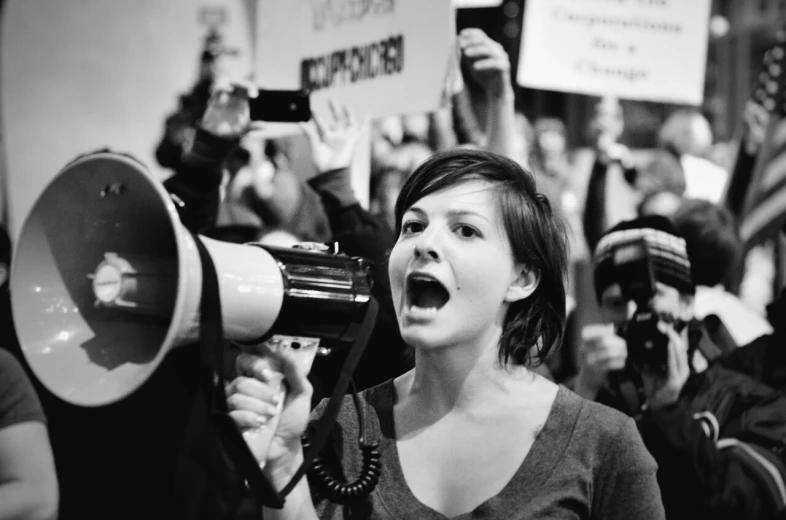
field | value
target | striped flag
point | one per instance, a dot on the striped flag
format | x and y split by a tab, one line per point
757	194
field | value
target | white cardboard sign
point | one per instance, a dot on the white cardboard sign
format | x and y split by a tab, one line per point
381	57
653	50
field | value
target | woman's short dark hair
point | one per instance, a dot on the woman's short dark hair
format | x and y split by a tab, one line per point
536	234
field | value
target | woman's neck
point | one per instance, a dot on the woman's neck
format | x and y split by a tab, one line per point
455	379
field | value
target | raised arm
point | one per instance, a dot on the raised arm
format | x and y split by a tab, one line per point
198	179
488	64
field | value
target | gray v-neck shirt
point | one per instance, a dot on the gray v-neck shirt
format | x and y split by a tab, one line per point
587	462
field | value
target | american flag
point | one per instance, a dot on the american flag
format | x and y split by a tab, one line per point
757	194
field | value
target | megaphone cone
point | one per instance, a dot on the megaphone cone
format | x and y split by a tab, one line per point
105	281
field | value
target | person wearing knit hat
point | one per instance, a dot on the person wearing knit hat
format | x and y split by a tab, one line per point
682	406
604	350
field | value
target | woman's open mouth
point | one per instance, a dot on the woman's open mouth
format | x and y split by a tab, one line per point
425	295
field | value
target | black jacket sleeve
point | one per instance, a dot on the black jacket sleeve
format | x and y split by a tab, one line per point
697	475
195	186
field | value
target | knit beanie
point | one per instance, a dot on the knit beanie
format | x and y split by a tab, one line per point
667	252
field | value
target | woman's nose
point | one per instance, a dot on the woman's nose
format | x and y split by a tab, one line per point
426	249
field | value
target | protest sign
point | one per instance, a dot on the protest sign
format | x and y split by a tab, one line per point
654	50
380	57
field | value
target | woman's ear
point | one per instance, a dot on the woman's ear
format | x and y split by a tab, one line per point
524	285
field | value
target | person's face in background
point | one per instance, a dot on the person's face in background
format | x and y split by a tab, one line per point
552	147
607	123
665	203
667	302
416	127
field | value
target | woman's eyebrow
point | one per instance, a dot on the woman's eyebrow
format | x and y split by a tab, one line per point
453	213
459	213
415	209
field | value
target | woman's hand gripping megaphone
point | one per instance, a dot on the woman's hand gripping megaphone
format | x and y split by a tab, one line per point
270	402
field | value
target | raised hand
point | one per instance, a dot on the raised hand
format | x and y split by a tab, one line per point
333	136
664	389
228	114
489	63
601	351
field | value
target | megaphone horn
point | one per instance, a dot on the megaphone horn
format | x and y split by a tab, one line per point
105	281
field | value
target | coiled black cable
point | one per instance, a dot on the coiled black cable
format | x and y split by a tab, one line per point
341	492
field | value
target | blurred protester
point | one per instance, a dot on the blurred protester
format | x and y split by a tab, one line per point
688	135
611	196
661	183
765	357
390	173
664	203
263	192
549	162
717	435
714	249
662	172
180	126
28	480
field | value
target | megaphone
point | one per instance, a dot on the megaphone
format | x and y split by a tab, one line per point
105	281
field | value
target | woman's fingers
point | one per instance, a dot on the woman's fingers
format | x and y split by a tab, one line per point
334	112
311	131
492	64
242	402
472	35
321	124
246	420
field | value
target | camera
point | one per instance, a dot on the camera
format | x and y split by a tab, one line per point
647	345
281	106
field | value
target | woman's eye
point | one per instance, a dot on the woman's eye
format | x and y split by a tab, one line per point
467	231
412	226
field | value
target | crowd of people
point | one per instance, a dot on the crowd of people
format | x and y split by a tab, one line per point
484	391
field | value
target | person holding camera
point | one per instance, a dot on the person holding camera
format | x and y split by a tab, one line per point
717	435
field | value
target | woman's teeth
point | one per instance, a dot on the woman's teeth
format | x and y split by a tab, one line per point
422	312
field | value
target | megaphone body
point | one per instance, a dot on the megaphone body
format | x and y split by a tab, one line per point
105	281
